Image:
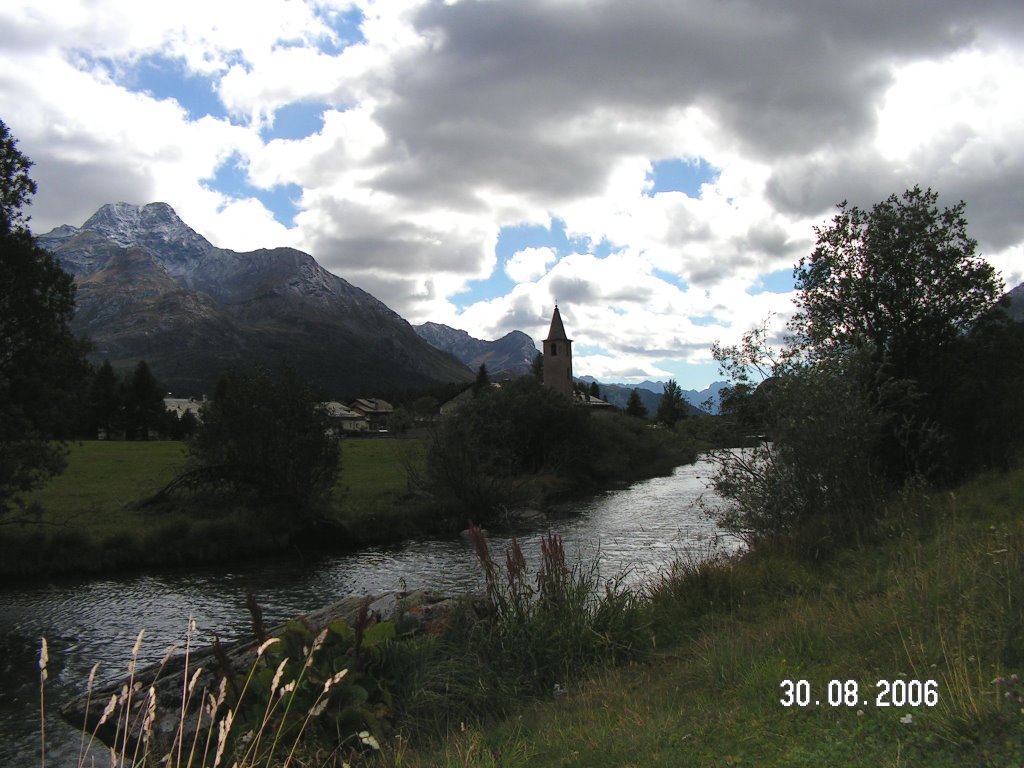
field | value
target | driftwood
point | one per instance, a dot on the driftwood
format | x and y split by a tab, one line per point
415	611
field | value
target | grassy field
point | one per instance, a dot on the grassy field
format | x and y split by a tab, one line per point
940	598
91	520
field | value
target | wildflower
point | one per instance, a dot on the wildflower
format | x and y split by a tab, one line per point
44	658
334	679
367	738
318	709
266	644
277	675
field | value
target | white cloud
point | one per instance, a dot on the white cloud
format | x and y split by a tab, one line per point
448	121
530	263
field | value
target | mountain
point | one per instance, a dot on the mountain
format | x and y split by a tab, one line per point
650	393
512	354
151	287
1016	308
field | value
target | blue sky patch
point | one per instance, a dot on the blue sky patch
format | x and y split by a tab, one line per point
679	175
166	78
232	180
295	121
672	279
779	281
346	25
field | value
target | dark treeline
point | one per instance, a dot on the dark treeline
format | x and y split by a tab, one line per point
128	407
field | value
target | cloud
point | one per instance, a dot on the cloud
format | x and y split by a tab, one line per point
529	264
447	123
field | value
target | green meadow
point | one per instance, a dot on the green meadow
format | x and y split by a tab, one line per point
91	517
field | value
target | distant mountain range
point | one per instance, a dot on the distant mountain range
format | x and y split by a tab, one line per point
651	391
511	355
151	287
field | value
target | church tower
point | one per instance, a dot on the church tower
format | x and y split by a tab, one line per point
558	357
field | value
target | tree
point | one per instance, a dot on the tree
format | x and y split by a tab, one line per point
903	284
144	403
902	279
483	381
900	366
106	405
265	435
635	406
16	187
672	407
595	390
537	366
42	363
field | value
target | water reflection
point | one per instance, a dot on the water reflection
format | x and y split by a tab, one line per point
637	531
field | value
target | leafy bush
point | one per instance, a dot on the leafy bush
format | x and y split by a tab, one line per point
817	468
265	435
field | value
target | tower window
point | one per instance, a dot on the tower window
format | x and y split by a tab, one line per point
554	350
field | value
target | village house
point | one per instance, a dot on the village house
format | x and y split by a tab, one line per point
344	420
375	411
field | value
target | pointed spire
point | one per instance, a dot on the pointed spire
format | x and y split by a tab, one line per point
557	330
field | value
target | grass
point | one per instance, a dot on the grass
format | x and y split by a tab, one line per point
101	481
91	522
938	598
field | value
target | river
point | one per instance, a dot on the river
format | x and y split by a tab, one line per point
635	532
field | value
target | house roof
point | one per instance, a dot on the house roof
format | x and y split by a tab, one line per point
182	405
337	410
371	405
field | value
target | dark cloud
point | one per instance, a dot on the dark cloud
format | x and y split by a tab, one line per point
64	179
498	97
362	240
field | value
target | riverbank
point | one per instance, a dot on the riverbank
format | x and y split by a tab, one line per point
92	521
936	598
899	652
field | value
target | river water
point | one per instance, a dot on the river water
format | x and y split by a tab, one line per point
635	532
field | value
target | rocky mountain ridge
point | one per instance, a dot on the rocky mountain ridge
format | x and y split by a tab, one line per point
511	355
151	287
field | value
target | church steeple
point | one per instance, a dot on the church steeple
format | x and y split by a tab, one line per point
558	357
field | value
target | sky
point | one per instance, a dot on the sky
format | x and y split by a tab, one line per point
655	168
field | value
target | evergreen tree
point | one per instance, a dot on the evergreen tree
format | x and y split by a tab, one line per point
482	379
635	406
144	403
672	407
537	366
106	401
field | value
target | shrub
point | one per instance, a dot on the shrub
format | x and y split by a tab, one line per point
816	469
265	435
